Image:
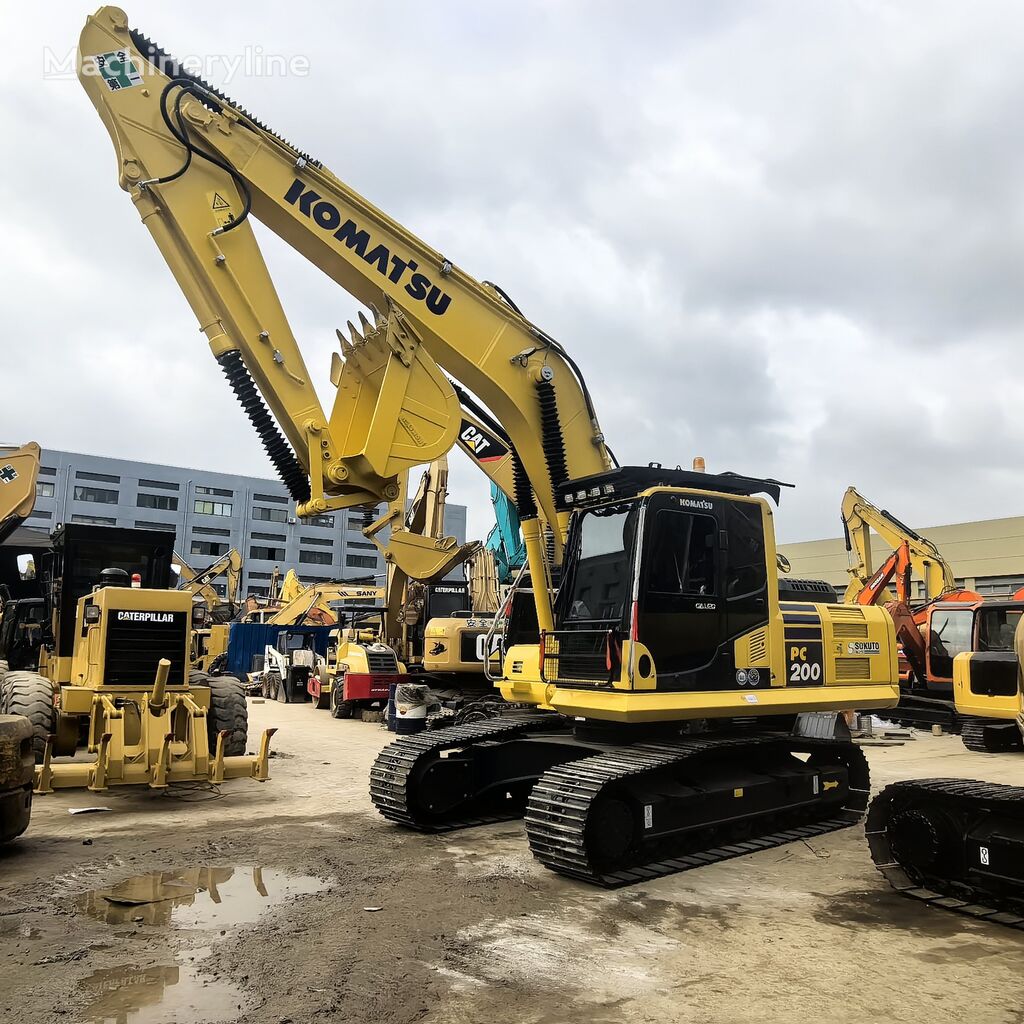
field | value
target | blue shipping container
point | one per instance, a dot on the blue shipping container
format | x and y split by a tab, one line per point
246	640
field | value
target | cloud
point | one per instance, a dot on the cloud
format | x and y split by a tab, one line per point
784	236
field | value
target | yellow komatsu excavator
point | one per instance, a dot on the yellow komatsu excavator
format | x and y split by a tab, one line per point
669	688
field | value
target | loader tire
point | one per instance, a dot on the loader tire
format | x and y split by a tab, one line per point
272	682
31	695
17	768
3	698
228	711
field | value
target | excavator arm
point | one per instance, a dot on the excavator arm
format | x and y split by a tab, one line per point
200	582
860	517
19	471
198	167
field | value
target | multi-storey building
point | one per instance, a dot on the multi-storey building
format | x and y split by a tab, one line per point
211	512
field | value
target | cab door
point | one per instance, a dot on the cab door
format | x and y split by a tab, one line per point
680	615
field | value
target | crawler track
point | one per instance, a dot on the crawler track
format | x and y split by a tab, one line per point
394	772
564	815
926	838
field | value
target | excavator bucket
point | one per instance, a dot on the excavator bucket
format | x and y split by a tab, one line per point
19	468
395	408
426	559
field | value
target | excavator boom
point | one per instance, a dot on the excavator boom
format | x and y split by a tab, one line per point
859	518
197	167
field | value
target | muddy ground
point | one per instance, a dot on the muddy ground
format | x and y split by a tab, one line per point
270	922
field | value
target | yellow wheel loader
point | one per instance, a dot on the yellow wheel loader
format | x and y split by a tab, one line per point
115	677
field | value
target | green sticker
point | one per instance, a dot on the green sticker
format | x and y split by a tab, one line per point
118	70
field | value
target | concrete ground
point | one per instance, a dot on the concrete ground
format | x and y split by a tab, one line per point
294	902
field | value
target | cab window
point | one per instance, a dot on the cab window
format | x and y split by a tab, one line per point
950	635
682	555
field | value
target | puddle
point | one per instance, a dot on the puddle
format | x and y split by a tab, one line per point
195	898
159	995
189	900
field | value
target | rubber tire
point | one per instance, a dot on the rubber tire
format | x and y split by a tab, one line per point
228	711
3	672
341	708
274	684
31	695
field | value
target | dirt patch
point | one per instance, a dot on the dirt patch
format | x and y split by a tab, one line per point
471	928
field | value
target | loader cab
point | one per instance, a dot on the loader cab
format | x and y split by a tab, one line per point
73	570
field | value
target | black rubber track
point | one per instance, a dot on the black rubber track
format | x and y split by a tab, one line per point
946	893
990	736
560	806
395	766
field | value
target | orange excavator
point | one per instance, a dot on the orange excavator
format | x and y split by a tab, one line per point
950	620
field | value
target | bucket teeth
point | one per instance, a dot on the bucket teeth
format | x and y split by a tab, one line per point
365	324
378	316
357	338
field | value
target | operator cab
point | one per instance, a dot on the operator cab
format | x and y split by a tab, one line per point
682	571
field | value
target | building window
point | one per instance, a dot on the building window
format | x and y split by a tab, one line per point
39	514
268	536
162	501
259	575
211	531
361	562
324	542
316	557
103	478
212	508
145	524
218	491
279	498
209	547
166	485
47	471
363	545
100	495
266	554
270	515
327	521
95	520
44	489
259	591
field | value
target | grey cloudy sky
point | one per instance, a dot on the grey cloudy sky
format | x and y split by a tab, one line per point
785	236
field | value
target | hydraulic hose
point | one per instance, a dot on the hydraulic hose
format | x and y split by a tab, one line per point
279	451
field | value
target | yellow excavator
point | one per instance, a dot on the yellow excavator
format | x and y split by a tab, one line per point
671	692
199	582
210	634
910	553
